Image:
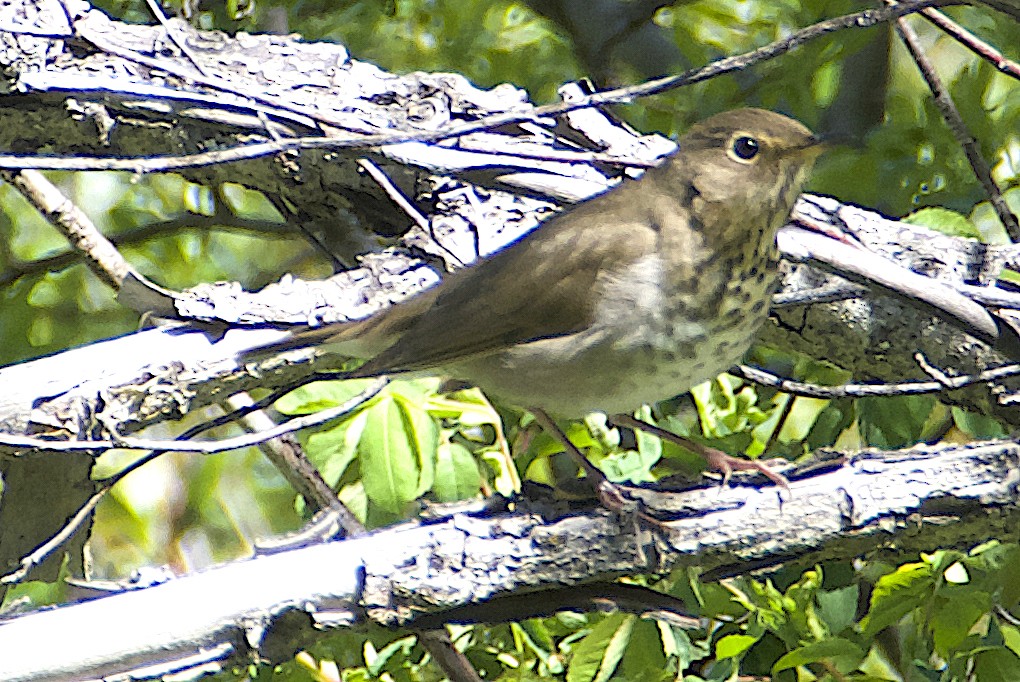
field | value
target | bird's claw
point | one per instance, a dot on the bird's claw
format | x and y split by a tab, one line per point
726	464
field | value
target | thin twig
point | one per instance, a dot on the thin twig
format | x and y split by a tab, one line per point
972	42
172	34
39	554
951	114
398	197
297	218
394	193
101	255
800	388
45	549
597	596
203	447
292	462
186	221
146	164
784	414
286	454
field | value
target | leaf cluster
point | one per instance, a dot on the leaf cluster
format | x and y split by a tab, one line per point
944	617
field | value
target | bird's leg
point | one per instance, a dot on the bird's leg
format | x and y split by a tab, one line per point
717	459
608	493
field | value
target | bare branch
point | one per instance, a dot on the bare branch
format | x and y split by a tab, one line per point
100	254
956	124
910	499
972	42
864	19
809	390
204	447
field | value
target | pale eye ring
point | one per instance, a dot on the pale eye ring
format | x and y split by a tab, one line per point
745	147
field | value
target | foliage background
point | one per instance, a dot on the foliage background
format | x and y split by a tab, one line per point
932	617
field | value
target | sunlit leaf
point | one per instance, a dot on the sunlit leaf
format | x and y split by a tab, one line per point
943	220
734	645
842	654
457	476
392	449
896	595
598	654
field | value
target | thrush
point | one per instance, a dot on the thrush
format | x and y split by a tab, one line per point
633	297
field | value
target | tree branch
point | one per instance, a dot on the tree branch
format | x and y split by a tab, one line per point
414	574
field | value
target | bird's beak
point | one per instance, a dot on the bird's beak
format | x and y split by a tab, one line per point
814	147
829	141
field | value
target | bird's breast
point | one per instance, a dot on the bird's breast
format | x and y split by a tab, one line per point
648	341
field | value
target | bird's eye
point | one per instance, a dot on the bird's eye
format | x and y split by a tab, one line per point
746	148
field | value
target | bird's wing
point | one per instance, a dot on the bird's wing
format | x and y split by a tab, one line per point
545	286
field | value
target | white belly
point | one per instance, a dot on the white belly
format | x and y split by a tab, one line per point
573	376
641	348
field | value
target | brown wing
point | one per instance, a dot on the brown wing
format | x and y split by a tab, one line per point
538	288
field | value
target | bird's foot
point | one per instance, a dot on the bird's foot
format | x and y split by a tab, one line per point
610	495
727	464
717	460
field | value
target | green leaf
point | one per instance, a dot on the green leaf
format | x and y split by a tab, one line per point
633	466
838	608
1009	276
572	620
954	618
354	498
506	478
617	647
321	395
733	645
841	653
956	574
333	450
833	421
676	643
945	221
377	661
457	476
1000	561
533	640
801	419
468	406
997	665
897	594
422	434
397	453
725	410
1011	636
597	655
977	425
643	657
649	447
895	421
986	220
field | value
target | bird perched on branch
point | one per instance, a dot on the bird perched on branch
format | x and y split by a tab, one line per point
633	297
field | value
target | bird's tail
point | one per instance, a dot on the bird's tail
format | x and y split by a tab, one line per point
348	340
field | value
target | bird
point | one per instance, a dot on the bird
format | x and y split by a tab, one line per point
634	296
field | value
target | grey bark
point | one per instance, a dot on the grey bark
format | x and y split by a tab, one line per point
903	502
127	91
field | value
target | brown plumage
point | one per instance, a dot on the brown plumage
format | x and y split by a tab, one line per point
635	296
